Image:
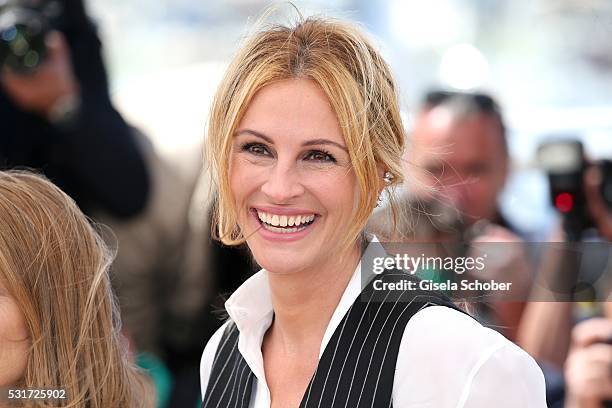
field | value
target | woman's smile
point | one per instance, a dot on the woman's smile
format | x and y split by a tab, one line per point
284	224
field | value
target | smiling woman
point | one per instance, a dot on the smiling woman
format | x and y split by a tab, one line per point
340	91
304	135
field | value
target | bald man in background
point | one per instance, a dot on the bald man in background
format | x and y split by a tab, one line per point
457	158
458	153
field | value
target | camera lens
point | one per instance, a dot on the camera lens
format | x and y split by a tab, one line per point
22	39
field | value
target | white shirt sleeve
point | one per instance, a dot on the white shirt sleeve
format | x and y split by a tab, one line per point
448	360
209	356
510	378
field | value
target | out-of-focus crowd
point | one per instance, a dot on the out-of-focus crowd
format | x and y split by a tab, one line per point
170	276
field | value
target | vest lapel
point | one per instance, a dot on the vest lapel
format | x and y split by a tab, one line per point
231	378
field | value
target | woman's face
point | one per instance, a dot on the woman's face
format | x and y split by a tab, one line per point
291	177
14	340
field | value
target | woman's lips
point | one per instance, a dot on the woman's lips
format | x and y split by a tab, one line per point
284	233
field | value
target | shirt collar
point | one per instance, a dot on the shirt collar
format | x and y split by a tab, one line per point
250	306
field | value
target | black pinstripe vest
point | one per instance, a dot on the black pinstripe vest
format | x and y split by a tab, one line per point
357	366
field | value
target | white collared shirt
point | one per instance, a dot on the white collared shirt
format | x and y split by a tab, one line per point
446	359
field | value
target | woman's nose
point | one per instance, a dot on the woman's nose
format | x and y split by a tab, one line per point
283	183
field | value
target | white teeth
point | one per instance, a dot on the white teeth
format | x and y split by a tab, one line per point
284	220
283	230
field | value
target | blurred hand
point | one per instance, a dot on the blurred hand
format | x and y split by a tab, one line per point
51	82
601	215
507	262
588	369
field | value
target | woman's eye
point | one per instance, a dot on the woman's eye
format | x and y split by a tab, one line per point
256	149
320	156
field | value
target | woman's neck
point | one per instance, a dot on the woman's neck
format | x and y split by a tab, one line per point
304	302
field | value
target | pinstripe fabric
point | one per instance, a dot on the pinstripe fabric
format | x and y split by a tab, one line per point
231	374
357	367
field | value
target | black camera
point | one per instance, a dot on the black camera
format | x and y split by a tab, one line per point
565	163
23	27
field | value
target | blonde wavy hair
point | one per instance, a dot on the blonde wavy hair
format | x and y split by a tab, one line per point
56	267
357	82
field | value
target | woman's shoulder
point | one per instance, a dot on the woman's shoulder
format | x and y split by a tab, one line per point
446	333
441	345
446	321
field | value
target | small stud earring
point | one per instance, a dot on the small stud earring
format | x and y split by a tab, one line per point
388	177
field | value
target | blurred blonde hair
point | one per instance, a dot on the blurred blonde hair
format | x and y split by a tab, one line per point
355	79
57	268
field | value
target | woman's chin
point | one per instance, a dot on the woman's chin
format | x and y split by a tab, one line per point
281	262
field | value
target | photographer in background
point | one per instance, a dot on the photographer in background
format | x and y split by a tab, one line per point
588	368
57	118
56	112
457	162
565	335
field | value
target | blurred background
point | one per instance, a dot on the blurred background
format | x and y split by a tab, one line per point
134	162
548	63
